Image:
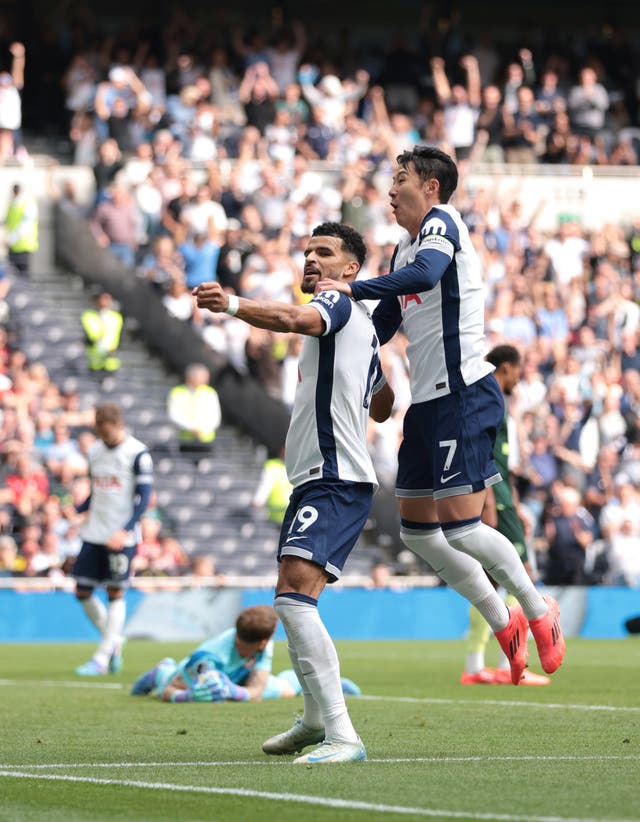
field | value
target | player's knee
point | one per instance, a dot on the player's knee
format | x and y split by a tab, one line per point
427	541
114	593
83	593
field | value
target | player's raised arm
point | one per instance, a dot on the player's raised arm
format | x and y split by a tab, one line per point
274	316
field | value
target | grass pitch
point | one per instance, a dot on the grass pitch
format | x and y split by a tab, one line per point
77	749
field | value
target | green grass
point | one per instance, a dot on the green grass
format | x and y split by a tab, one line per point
436	749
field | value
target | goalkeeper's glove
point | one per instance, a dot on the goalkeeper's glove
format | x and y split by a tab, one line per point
229	690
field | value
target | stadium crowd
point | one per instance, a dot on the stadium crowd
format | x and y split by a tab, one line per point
215	154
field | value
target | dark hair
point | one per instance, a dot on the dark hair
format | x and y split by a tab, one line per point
503	353
431	163
256	623
352	240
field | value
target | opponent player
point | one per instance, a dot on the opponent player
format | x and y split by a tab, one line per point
235	665
121	472
445	461
329	466
500	511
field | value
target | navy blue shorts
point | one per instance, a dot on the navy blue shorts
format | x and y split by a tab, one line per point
97	565
323	522
448	443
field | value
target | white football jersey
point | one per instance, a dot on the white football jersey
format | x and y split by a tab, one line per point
115	472
444	326
327	437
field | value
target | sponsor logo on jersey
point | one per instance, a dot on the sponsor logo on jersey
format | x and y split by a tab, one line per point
407	299
106	482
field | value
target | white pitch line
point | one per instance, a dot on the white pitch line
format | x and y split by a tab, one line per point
430	760
411	700
52	683
304	799
512	703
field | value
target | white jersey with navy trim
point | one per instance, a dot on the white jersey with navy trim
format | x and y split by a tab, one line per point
444	325
327	437
115	473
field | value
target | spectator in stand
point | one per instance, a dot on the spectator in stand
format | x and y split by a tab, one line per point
330	102
588	103
194	409
258	92
490	127
200	254
115	225
11	85
550	100
460	103
178	300
163	264
122	95
106	169
524	131
26	488
62	450
570	531
284	54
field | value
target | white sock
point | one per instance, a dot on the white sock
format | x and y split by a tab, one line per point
500	559
94	608
460	571
312	715
317	660
113	634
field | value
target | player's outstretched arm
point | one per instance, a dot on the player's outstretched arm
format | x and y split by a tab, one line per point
274	316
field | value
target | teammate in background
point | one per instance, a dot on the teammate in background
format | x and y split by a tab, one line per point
121	473
499	512
446	464
329	466
235	665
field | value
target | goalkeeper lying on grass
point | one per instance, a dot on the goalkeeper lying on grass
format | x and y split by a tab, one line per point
235	665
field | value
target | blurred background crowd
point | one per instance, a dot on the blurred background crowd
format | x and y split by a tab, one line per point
216	148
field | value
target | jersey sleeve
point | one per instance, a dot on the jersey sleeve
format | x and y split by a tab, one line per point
387	318
334	308
143	468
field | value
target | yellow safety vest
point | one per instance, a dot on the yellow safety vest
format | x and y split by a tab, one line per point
190	404
28	240
103	333
278	498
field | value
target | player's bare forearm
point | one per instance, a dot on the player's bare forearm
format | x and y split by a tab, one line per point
274	316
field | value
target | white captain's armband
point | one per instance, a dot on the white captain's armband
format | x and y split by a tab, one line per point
438	242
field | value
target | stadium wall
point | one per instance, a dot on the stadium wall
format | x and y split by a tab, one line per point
349	613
